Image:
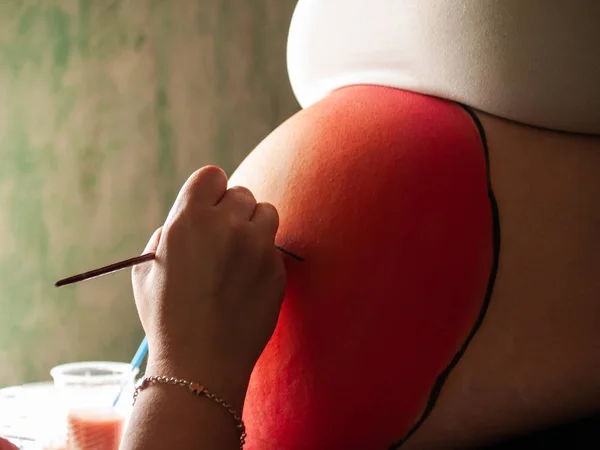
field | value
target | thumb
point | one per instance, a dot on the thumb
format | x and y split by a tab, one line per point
152	244
140	270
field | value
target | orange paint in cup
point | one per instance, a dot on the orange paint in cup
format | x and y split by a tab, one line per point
94	430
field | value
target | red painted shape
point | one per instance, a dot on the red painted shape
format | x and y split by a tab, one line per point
384	193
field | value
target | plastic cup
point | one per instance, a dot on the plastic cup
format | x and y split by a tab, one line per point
86	392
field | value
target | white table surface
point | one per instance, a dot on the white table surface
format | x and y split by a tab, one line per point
28	414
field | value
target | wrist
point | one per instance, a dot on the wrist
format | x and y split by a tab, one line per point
231	387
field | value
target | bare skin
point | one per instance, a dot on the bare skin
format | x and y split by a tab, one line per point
536	359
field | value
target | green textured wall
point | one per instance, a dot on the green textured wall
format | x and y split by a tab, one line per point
106	106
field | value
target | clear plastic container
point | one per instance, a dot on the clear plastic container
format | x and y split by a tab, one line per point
86	392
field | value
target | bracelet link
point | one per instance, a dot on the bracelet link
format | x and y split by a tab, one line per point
196	388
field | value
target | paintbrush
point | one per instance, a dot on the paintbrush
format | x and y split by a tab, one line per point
129	263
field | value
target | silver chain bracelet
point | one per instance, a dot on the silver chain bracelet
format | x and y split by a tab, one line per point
198	390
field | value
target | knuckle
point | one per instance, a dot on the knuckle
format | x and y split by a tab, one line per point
242	190
270	209
242	194
270	212
209	174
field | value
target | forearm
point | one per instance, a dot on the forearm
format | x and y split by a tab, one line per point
170	416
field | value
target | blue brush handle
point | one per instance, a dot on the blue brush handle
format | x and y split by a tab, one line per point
139	356
136	362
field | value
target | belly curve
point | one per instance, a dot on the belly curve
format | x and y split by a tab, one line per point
386	195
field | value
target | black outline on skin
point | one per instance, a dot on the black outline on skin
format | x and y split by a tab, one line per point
442	377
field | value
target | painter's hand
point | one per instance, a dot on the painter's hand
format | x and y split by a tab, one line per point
210	300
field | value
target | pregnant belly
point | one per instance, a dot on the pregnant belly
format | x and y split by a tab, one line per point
386	196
